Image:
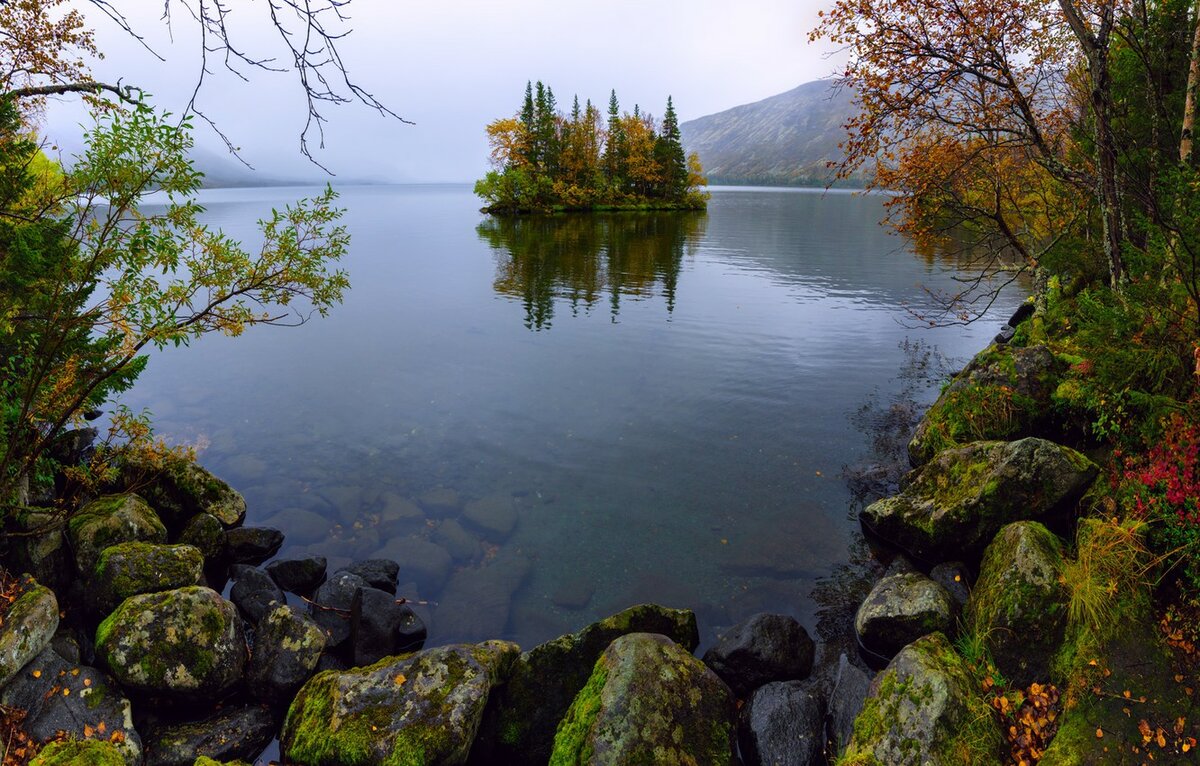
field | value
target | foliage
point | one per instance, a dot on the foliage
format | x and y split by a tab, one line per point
544	160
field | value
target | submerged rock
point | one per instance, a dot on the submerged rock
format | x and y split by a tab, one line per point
422	708
520	724
130	569
1019	605
423	562
108	521
495	516
783	723
27	627
476	602
900	609
287	647
923	711
764	648
186	643
233	733
959	500
648	701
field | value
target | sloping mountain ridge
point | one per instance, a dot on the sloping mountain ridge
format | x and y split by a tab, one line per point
787	139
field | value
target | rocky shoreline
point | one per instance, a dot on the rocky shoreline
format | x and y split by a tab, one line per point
119	647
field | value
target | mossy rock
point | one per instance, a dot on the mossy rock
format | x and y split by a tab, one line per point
1004	393
186	643
27	627
923	711
287	648
181	488
41	549
1019	604
648	701
84	752
519	726
109	521
206	533
419	709
131	569
900	609
233	732
958	501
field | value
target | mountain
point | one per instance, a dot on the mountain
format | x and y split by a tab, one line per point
781	140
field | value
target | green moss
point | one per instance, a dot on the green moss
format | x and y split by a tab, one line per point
86	752
572	745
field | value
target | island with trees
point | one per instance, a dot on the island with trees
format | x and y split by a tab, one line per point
547	161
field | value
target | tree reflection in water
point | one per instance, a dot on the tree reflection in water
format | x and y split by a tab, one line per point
583	259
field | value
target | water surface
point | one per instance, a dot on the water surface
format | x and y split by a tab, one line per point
662	399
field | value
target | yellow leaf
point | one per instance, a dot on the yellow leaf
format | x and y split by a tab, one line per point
1099	733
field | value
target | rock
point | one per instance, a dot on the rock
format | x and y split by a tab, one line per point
1006	334
422	708
27	627
252	545
91	699
254	592
953	576
573	594
1023	312
899	610
1004	393
130	569
923	711
783	723
302	525
476	602
440	502
495	516
204	532
458	542
108	521
1019	604
958	501
383	574
42	550
287	647
850	688
301	576
380	627
186	643
764	648
336	595
88	752
241	732
648	701
519	728
182	488
420	561
73	446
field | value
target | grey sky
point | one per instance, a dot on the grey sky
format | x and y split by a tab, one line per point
452	67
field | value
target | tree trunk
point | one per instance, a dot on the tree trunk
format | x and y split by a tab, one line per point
1189	108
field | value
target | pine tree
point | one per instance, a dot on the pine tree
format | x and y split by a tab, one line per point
527	118
614	149
668	153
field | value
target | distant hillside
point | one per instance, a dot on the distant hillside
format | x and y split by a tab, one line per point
781	140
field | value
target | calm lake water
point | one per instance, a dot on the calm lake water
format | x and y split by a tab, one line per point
661	402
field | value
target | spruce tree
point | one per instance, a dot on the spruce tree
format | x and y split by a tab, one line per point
614	148
527	122
668	153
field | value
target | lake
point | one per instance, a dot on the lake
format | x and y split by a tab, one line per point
548	419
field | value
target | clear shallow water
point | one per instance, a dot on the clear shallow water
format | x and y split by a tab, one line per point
662	399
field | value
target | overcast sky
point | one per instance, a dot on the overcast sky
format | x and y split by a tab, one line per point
452	66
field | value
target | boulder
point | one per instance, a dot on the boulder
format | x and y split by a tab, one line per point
494	516
959	500
301	576
180	489
1019	604
420	708
648	701
923	711
186	643
254	592
851	685
204	532
783	723
1004	393
240	732
252	545
287	647
458	542
519	727
27	627
88	752
383	574
331	607
380	627
92	707
41	549
899	610
130	569
764	648
108	521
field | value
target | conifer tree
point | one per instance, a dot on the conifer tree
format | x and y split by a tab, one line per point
668	153
614	150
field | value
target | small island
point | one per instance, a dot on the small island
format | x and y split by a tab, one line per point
545	161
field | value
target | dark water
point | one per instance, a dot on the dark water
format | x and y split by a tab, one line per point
663	400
